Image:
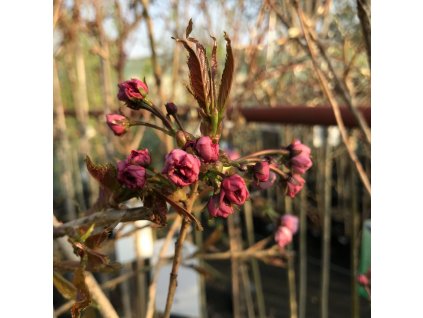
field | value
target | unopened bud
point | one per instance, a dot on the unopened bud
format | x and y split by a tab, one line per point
118	124
171	108
181	138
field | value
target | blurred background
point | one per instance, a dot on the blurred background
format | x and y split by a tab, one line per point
287	83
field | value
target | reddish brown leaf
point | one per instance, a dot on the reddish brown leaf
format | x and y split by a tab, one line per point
96	240
105	174
213	59
65	266
83	297
227	76
189	28
95	261
159	207
195	76
182	211
202	57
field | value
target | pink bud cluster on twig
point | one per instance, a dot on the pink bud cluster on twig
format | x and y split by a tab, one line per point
196	164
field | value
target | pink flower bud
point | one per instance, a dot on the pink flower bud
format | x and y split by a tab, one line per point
132	91
117	123
300	160
283	236
267	184
261	171
206	149
181	168
181	138
294	185
131	176
235	189
219	206
291	222
139	157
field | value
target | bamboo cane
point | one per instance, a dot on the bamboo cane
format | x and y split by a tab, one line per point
326	248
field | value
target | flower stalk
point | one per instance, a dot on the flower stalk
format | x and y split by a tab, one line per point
141	123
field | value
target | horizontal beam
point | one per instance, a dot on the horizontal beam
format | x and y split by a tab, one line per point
302	115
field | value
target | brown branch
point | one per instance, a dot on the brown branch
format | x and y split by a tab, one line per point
282	152
178	252
106	217
160	262
325	87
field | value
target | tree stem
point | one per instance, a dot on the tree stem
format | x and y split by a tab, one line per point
265	152
140	123
178	252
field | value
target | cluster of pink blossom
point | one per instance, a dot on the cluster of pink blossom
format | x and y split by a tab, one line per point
131	171
299	163
196	166
286	230
200	159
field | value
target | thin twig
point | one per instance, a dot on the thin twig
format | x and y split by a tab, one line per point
282	152
153	285
327	199
140	123
178	251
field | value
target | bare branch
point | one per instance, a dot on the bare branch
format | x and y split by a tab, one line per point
105	218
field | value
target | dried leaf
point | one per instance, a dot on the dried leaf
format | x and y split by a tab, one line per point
213	59
189	28
159	207
181	210
65	266
96	240
105	174
83	297
227	76
65	287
